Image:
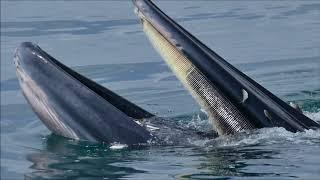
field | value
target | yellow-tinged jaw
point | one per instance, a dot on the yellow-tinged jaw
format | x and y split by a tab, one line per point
178	63
225	116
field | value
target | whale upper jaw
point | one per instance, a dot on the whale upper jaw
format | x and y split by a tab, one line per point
233	101
73	106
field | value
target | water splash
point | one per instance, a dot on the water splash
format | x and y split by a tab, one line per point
264	136
196	130
118	146
313	115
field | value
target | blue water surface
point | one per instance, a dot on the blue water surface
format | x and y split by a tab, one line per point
277	43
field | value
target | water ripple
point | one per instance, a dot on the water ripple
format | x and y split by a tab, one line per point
74	27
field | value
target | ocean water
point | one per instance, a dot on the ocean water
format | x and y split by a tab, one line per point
277	43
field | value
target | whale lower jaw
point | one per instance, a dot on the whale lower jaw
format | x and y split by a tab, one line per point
74	106
41	106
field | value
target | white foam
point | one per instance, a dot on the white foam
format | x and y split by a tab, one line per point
199	124
267	136
313	115
117	146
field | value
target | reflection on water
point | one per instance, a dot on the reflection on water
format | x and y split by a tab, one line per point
64	158
75	27
225	157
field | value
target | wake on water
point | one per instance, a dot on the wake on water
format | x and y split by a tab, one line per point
198	132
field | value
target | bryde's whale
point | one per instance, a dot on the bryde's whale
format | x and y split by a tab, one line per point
74	106
233	101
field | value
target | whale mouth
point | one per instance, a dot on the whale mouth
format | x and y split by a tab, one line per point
233	101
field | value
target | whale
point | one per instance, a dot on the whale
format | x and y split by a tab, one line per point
74	106
233	101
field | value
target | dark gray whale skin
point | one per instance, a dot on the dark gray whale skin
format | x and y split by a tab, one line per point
73	106
259	107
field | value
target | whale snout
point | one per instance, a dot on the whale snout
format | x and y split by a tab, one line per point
19	51
16	60
29	58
